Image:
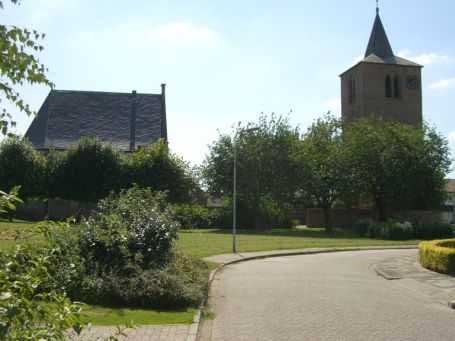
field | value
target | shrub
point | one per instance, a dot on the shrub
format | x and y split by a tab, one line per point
366	228
21	165
197	216
156	167
438	255
424	230
26	311
87	171
135	224
395	230
123	254
181	283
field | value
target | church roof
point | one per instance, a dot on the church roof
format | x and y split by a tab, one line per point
379	43
125	120
379	50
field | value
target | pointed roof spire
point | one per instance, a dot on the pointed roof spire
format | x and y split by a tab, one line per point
379	44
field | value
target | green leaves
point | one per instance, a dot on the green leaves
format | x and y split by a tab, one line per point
18	66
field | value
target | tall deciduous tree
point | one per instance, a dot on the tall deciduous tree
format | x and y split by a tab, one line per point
266	176
399	166
18	66
324	164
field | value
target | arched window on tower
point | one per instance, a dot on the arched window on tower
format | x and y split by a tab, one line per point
396	87
388	87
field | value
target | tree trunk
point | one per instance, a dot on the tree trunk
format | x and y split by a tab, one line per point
382	212
327	219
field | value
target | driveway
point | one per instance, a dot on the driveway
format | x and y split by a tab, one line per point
331	296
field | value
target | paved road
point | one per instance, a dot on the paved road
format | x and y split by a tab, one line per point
334	296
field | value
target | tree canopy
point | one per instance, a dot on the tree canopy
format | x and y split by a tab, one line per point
18	66
266	176
398	166
323	163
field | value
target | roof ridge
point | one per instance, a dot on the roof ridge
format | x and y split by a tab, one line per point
103	92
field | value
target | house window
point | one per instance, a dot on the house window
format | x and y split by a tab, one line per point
388	87
351	90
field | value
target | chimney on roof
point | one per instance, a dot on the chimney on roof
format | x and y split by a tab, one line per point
134	93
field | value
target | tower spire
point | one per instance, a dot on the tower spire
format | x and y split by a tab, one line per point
379	44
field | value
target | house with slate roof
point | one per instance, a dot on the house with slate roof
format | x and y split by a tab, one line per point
125	120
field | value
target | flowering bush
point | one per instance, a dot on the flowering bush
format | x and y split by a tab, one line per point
135	226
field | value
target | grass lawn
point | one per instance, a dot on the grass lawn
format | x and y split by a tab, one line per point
8	231
105	316
203	243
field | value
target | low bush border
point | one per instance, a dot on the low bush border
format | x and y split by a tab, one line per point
438	255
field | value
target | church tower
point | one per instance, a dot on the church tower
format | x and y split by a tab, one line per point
382	83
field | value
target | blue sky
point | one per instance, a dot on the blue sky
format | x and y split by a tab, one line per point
228	61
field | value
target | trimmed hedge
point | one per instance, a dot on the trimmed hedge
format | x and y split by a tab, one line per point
438	255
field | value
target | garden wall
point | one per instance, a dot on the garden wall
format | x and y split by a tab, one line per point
342	218
55	210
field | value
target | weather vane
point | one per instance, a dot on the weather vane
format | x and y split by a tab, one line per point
377	6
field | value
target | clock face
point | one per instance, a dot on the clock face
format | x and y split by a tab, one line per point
412	81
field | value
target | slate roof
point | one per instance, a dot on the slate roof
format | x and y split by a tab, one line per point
125	120
379	49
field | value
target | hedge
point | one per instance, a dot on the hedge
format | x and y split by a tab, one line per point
438	255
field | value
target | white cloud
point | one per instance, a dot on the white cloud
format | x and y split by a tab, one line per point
443	84
334	105
426	58
183	31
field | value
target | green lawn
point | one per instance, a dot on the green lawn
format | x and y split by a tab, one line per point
9	231
203	243
105	316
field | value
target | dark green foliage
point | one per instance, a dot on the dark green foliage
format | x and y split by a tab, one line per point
181	283
123	255
156	167
87	171
366	228
27	311
424	230
198	216
134	225
324	165
21	165
266	176
398	166
438	255
395	230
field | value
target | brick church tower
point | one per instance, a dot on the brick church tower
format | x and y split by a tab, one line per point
382	83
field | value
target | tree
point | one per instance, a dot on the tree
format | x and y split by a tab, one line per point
18	66
266	176
324	166
87	171
399	166
21	165
154	166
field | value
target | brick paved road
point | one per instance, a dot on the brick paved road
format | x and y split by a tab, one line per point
334	296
